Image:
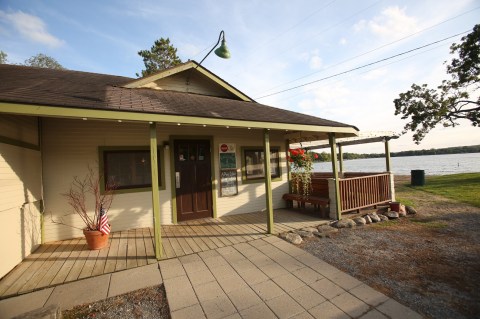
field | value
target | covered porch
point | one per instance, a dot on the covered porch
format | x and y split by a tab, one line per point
69	260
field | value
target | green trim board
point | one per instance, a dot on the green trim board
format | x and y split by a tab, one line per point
260	179
101	167
80	113
213	151
268	182
155	191
333	153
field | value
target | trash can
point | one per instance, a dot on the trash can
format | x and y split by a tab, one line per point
417	177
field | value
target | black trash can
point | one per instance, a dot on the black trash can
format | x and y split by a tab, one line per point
417	177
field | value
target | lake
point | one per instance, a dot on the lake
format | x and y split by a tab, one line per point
432	164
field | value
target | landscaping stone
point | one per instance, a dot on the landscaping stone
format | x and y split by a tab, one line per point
374	217
344	223
310	229
283	235
294	238
368	220
382	210
392	214
304	233
325	231
410	210
383	218
360	221
402	211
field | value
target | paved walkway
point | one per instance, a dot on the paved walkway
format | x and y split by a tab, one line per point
263	278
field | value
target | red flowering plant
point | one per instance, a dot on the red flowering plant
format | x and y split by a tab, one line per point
301	164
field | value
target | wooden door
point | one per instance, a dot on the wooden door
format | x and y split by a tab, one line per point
193	179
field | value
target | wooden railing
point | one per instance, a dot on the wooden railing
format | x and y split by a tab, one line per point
365	191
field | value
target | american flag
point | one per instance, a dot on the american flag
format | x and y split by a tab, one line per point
104	226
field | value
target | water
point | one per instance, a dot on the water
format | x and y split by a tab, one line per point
432	164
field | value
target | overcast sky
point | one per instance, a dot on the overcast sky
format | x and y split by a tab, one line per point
275	46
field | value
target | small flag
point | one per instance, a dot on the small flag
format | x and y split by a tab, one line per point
104	226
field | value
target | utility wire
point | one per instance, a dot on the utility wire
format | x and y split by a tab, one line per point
373	50
363	66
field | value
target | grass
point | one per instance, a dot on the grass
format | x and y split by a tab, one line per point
429	223
461	187
388	223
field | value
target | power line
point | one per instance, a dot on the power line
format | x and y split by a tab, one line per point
363	66
373	50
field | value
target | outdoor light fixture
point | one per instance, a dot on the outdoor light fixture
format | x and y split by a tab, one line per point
222	51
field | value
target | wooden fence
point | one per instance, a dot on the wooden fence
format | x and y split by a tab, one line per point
364	191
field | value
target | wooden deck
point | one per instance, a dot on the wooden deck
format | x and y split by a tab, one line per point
69	260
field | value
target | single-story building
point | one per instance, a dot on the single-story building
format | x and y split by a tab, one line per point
202	139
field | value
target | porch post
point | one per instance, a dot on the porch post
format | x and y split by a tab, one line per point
333	151
340	154
268	181
387	155
155	191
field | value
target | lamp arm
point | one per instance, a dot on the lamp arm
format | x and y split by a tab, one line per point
222	34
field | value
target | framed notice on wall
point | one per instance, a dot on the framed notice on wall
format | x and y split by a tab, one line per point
228	159
228	182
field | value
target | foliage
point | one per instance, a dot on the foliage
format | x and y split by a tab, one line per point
454	99
461	187
43	61
162	55
3	57
77	197
301	164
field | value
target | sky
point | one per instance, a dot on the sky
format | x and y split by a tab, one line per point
342	60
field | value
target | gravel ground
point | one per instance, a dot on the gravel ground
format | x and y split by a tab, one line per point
429	262
148	303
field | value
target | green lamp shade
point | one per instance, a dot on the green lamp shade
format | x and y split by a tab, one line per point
222	51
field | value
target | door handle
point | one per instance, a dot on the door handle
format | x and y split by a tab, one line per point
177	179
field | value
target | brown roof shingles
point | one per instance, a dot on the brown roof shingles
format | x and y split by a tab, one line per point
19	84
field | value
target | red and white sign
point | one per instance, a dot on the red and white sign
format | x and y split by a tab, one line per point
227	148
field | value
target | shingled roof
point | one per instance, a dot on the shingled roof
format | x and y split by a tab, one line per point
74	89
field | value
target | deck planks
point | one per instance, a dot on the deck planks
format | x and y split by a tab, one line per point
64	261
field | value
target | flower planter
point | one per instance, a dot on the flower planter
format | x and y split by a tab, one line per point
95	239
395	206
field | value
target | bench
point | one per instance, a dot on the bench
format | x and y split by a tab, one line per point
320	203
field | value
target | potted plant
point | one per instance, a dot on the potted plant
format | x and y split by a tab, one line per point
84	190
301	164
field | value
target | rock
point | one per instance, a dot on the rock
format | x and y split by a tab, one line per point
392	214
383	218
310	229
360	221
368	220
304	233
374	217
410	210
294	238
402	211
325	231
344	223
283	235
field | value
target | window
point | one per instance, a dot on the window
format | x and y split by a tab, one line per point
253	160
129	169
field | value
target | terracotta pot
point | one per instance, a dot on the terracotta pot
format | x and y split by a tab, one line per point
95	239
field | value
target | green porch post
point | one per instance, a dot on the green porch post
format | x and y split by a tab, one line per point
155	191
340	154
268	181
333	151
387	155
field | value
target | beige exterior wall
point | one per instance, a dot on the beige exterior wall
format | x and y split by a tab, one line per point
71	145
20	192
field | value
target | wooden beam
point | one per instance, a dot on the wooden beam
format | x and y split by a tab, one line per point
268	181
333	151
155	191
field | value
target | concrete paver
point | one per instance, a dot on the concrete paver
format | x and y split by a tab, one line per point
263	278
133	279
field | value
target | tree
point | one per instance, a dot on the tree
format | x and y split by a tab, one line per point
43	61
457	98
161	56
3	57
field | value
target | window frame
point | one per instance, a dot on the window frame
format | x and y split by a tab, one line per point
161	167
260	179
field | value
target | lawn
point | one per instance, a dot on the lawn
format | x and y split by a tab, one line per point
461	187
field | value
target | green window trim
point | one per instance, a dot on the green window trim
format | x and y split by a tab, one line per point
276	149
101	163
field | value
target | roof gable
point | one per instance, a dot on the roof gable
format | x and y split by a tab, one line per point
189	77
